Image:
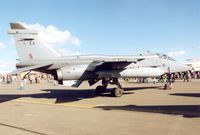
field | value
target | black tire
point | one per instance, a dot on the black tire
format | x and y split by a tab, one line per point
117	92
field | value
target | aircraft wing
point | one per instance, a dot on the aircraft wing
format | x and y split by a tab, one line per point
20	70
108	65
111	65
101	66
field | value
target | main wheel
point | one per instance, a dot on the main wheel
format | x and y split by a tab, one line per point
100	89
117	92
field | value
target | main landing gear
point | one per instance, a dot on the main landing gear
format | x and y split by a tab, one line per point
116	92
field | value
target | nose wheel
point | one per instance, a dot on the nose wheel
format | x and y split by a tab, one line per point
168	85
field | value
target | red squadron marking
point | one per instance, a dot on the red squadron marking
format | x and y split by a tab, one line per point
30	56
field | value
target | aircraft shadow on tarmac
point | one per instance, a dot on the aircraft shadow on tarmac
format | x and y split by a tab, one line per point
61	95
186	94
68	95
187	111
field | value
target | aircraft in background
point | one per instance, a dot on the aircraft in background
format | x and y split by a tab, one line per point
34	55
194	64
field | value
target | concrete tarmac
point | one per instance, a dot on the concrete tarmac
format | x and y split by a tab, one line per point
144	109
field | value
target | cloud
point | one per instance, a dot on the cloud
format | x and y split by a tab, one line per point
6	67
2	46
176	53
52	35
5	64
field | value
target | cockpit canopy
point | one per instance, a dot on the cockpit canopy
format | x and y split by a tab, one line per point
164	56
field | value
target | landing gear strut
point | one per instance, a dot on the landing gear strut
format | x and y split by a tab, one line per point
116	92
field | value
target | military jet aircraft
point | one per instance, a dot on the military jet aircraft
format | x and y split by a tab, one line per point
36	55
194	64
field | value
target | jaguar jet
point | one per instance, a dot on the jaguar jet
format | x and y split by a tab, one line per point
35	55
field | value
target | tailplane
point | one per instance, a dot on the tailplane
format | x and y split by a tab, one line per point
28	45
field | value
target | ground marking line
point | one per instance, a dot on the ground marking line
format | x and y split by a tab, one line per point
53	104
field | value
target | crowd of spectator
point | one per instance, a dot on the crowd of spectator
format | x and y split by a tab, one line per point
30	78
37	77
185	76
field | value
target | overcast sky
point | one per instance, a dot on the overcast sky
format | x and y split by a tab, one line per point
105	27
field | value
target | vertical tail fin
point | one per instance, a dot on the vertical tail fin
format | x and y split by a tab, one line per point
28	45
